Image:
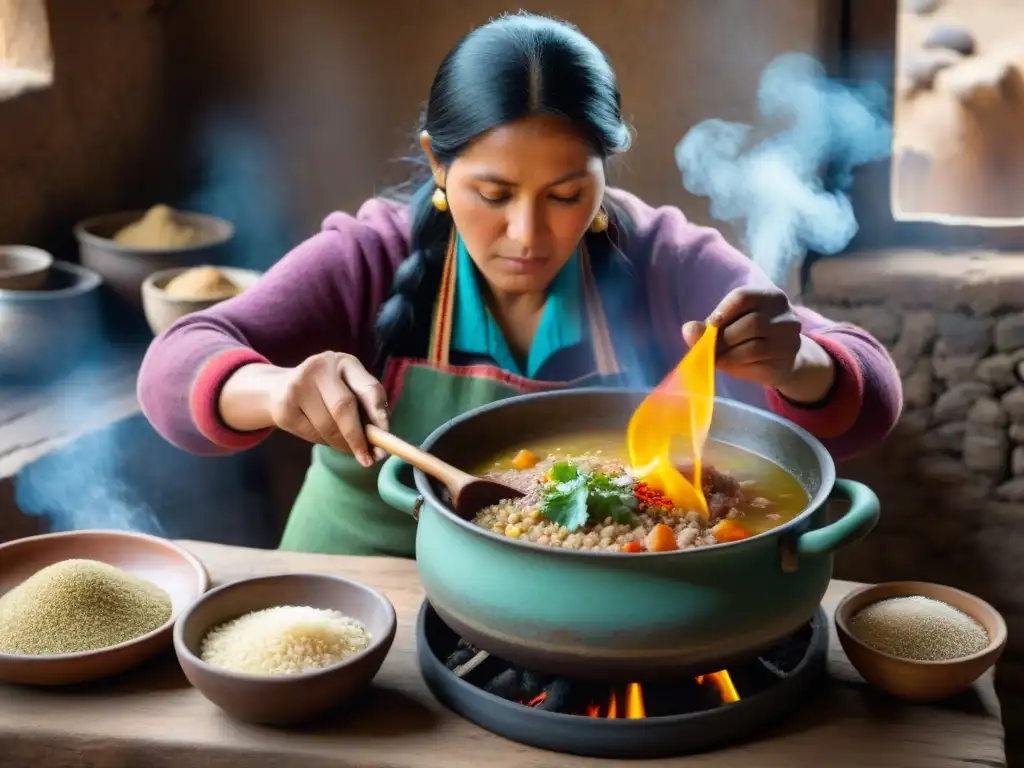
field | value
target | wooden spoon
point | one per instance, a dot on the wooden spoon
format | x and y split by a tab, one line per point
469	494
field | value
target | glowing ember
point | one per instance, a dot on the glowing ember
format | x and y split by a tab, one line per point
681	406
542	696
723	682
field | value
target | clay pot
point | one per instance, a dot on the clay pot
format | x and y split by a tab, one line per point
622	616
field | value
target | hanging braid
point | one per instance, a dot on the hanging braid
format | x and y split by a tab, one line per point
403	324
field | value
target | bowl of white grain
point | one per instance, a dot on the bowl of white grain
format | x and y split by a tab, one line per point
285	649
917	640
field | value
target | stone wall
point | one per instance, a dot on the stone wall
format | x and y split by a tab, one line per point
951	476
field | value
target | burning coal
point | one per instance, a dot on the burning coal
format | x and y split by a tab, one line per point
788	192
592	700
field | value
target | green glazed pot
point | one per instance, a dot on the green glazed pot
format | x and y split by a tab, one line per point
619	616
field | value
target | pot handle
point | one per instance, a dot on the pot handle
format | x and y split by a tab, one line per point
853	526
393	491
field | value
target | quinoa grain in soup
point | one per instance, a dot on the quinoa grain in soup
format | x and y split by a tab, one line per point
581	495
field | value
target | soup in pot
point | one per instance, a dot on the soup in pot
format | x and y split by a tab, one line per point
581	494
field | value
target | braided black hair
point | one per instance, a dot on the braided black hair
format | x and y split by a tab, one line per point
513	67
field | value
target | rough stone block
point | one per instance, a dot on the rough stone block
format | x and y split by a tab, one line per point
955	402
882	323
922	7
914	421
998	372
916	339
965	334
943	469
986	454
986	412
1013	403
953	37
917	385
956	369
1017	461
1009	332
1012	490
946	438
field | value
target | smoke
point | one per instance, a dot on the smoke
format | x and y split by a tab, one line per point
788	192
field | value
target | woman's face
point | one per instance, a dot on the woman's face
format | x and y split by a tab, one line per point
522	196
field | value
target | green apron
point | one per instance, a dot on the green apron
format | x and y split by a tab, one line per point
339	510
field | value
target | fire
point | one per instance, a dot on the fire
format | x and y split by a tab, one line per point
723	682
680	406
634	698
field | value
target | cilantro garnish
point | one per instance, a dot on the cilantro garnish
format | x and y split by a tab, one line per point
574	498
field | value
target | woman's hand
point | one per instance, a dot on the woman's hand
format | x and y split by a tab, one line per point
323	400
760	340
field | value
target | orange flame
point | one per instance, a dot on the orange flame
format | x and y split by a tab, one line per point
634	698
634	702
680	406
723	682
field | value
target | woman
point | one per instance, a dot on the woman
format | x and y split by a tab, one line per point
512	269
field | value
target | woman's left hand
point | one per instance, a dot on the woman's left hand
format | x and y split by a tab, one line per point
760	339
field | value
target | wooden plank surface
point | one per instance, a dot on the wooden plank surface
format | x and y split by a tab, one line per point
35	421
153	718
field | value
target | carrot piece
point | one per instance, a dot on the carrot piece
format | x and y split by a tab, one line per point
729	530
525	459
632	546
661	539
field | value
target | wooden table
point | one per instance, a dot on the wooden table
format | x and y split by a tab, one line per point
152	717
37	420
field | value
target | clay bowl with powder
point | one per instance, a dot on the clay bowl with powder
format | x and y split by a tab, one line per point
919	641
171	294
124	266
160	562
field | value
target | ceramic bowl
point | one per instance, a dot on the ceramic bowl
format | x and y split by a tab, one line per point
920	680
124	268
156	560
285	700
46	332
23	268
162	310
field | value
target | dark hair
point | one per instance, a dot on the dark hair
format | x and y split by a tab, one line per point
513	67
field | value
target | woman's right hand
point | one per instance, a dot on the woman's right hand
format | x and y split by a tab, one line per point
324	400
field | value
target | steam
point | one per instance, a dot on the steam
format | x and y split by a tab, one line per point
789	191
239	182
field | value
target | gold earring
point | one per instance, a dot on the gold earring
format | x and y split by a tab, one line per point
600	222
440	200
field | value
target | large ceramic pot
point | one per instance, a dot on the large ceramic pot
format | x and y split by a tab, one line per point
612	616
